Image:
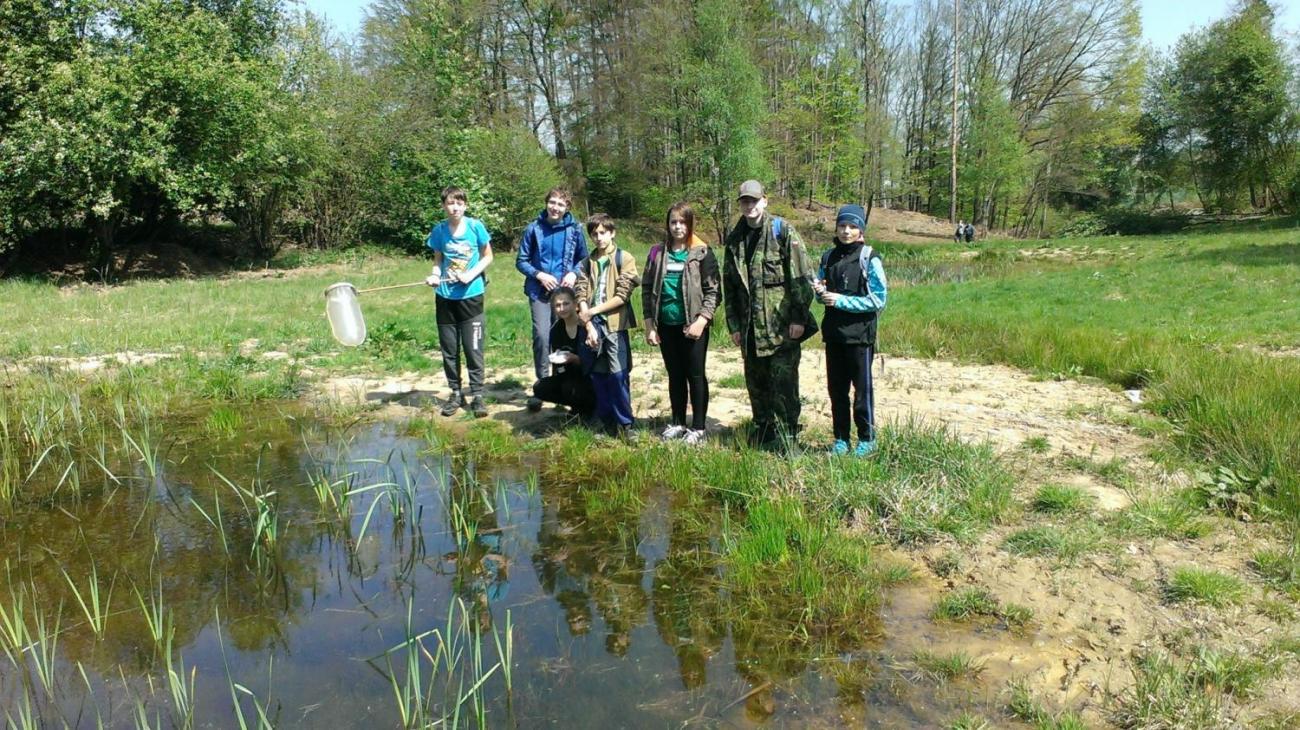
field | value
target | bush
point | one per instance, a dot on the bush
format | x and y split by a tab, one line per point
516	172
1124	222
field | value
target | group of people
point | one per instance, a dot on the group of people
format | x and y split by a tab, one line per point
965	232
580	297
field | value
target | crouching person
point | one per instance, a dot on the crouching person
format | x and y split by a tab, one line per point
571	357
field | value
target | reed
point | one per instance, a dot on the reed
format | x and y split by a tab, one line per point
95	610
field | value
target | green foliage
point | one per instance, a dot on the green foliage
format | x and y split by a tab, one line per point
1124	222
1232	90
1233	493
156	113
516	173
1199	585
1062	499
727	91
994	154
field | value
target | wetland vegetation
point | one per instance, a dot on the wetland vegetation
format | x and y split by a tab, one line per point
195	535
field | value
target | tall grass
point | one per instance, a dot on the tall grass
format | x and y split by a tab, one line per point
1181	321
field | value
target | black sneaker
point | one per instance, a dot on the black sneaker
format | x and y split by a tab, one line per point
478	407
534	404
453	404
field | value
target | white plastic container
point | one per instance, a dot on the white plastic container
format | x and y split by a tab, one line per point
344	314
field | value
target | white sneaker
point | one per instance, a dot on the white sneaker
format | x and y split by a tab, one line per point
694	437
672	433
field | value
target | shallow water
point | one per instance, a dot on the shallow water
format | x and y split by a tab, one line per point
619	622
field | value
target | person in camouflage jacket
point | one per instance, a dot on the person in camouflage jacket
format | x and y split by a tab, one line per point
767	290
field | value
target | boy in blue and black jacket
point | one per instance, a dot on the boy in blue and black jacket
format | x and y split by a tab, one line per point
550	253
851	283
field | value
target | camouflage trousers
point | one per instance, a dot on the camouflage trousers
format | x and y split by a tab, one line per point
773	385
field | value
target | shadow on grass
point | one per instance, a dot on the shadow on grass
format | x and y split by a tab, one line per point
1252	254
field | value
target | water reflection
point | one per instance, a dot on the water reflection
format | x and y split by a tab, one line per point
620	616
687	597
588	564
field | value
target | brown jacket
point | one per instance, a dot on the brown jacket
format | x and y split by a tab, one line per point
620	285
701	283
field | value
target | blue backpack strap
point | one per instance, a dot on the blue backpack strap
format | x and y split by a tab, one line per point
777	225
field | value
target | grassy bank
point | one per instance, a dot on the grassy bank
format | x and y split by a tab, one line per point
1196	321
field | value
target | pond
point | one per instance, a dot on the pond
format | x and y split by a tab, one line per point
301	575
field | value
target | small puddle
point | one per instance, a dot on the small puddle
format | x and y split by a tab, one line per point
622	622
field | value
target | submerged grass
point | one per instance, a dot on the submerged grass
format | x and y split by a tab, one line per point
946	667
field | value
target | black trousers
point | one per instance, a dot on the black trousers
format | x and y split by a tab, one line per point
850	365
575	391
684	360
461	327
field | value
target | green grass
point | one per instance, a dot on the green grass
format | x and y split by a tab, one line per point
734	380
1062	500
964	604
1171	516
1066	543
1199	585
1194	692
969	721
1036	445
1135	314
946	667
1279	568
1164	695
923	484
970	603
1025	707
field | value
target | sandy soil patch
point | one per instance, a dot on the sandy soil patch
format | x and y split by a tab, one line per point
978	402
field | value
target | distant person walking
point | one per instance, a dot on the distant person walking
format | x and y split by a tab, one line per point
969	232
960	233
550	252
767	285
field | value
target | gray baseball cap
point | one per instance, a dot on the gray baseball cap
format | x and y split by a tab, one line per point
751	189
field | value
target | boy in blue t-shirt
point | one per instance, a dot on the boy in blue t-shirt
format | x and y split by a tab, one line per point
462	251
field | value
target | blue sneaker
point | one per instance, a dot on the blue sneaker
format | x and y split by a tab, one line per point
840	448
865	449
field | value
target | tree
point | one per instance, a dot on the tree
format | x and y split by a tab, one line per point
1233	93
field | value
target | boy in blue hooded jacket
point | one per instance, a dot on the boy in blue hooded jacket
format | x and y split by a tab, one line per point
550	253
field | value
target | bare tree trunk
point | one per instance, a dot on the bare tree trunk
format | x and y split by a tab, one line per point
956	63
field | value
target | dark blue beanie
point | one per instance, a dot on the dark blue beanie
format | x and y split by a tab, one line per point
852	213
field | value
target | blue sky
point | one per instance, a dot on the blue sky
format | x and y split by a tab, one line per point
1163	21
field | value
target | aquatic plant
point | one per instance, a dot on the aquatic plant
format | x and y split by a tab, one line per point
94	610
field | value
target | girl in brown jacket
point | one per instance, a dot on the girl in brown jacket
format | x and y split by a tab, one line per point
682	286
